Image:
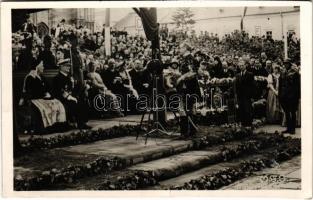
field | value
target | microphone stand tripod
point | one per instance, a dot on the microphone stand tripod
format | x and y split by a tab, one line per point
156	127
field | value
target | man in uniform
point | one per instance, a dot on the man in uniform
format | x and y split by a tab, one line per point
63	86
289	94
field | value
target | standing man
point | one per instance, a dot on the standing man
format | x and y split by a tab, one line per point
244	88
289	94
29	30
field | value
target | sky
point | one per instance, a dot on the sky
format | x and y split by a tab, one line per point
165	14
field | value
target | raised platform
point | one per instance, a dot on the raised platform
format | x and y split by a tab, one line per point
163	163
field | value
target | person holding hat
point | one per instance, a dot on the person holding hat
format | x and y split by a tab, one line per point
289	94
63	90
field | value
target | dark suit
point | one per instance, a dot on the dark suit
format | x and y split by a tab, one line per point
31	29
289	95
48	59
244	91
261	71
79	110
188	90
140	78
227	73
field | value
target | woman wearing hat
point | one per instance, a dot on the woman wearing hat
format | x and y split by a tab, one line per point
45	111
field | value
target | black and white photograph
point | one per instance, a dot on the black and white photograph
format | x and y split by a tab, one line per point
157	98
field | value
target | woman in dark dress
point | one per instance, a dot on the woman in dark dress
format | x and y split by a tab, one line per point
44	110
35	86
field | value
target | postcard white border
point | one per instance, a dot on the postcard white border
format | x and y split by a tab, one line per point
306	100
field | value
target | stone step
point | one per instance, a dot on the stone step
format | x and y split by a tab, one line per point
285	175
163	168
147	174
175	165
132	150
211	169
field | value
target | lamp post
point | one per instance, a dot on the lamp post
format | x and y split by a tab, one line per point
284	36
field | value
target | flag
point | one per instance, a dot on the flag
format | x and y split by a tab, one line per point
243	15
151	27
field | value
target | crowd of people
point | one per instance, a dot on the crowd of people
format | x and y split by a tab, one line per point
86	69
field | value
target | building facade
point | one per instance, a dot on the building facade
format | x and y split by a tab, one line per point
46	19
274	21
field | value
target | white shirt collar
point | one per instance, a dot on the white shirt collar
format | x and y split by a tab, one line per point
63	73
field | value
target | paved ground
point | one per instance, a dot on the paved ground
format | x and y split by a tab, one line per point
273	128
284	176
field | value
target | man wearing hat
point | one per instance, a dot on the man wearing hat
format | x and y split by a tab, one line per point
63	86
289	94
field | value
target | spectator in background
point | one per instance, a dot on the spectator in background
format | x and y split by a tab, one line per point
218	68
268	67
227	73
49	60
141	79
258	69
28	30
98	88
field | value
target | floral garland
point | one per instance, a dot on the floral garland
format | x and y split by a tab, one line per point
104	165
101	165
230	175
141	179
69	174
88	136
80	137
215	82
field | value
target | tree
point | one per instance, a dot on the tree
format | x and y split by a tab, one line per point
183	18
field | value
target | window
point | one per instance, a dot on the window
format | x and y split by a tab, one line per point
269	34
258	30
291	32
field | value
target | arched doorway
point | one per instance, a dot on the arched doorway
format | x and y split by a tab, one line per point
42	29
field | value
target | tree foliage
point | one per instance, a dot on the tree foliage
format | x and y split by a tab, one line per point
183	18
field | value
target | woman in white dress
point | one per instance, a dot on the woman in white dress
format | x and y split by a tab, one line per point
273	110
